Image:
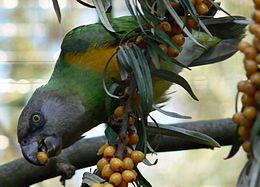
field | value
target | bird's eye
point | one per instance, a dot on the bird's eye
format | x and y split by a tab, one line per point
36	121
36	118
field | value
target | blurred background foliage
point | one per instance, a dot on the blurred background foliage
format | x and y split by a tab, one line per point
30	39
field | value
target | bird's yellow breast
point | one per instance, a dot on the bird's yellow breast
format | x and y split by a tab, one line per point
95	60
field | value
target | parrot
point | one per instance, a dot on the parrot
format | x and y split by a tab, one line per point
73	100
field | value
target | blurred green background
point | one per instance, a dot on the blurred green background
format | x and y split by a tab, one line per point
30	37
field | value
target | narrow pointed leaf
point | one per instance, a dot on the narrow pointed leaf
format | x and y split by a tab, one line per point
101	10
57	9
189	135
175	78
111	135
236	143
171	114
85	4
165	38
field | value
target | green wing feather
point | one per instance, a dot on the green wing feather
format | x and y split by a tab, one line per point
95	35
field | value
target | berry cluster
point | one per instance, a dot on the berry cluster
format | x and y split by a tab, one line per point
175	31
119	160
120	171
250	87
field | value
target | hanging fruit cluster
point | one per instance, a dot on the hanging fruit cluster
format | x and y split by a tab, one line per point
250	87
174	31
119	160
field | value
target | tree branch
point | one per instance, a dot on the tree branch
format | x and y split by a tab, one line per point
82	154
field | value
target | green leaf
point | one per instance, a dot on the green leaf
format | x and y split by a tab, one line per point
101	6
160	7
85	4
171	114
89	178
153	56
57	9
236	143
134	58
161	53
175	78
165	38
109	102
218	7
189	135
111	135
133	12
141	181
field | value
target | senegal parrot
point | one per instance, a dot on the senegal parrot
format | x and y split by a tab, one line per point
73	100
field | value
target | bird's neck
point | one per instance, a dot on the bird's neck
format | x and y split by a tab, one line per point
81	74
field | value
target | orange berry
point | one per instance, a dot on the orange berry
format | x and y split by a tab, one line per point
134	173
109	151
102	148
255	78
101	163
253	28
165	26
236	117
42	157
133	138
106	172
243	45
257	2
246	87
123	184
128	176
119	111
250	66
257	96
131	121
256	16
128	163
164	48
178	39
246	146
244	133
257	58
137	156
95	184
173	52
250	112
247	100
116	164
250	53
240	119
115	179
190	23
128	151
256	43
202	8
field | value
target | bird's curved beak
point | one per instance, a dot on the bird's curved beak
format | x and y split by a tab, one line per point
30	147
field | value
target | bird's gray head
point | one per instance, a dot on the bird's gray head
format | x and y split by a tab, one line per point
48	123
